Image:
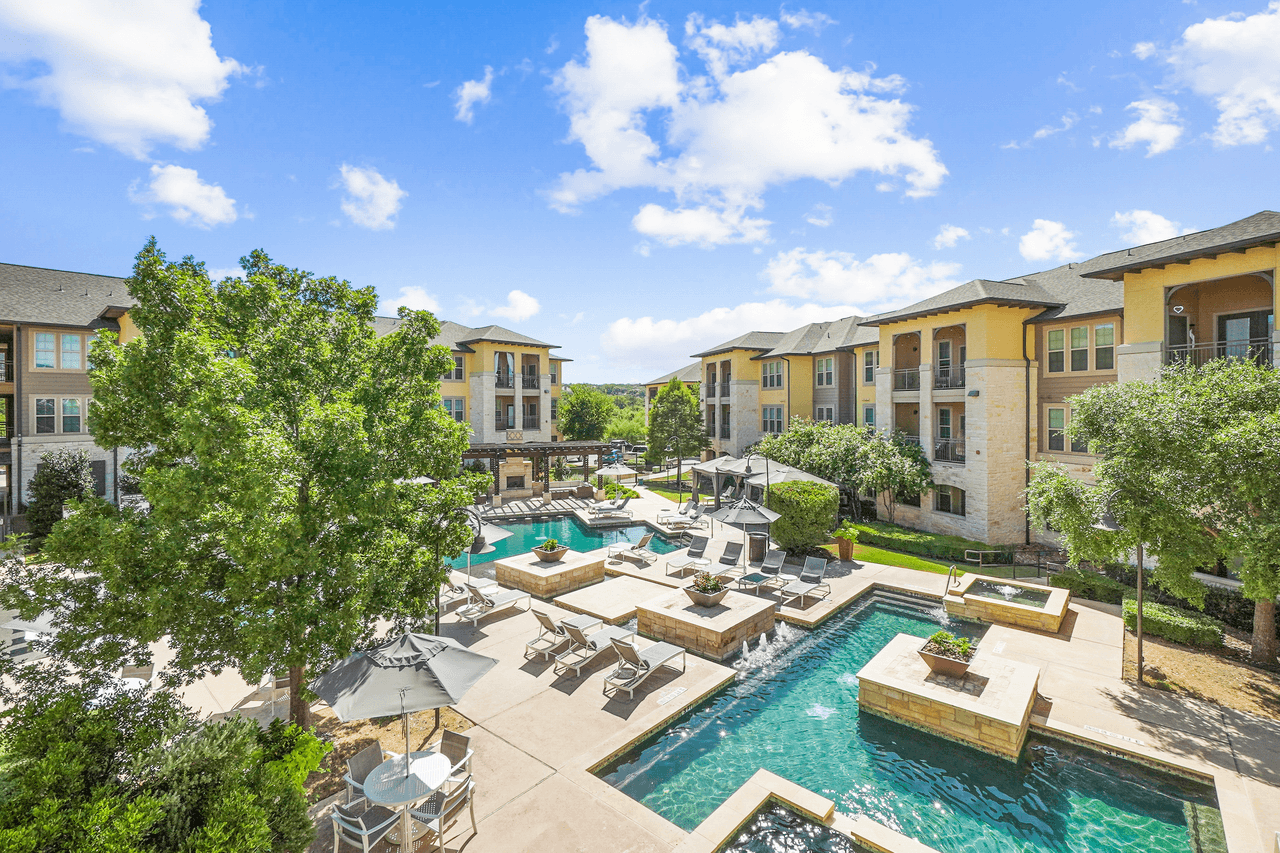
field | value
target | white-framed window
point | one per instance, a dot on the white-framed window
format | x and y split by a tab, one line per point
456	374
771	374
772	418
1079	348
46	416
72	358
870	361
1056	421
869	416
1056	342
555	408
824	371
1104	346
554	370
46	349
944	355
944	423
949	499
71	420
824	413
456	407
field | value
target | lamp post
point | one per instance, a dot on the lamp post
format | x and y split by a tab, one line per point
1108	523
747	472
671	448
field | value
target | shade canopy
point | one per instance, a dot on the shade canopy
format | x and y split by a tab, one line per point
786	475
617	469
744	511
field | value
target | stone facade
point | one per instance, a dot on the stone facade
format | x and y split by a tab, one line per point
712	632
547	580
976	608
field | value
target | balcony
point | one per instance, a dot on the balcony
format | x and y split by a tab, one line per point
527	381
906	380
724	430
724	387
711	430
711	389
505	380
909	438
949	377
948	450
6	371
502	424
1257	350
531	422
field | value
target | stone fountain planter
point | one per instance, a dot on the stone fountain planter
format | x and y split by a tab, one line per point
551	556
706	599
950	667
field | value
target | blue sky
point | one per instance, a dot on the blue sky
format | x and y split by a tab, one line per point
633	183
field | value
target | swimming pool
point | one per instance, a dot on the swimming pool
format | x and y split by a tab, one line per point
567	530
795	712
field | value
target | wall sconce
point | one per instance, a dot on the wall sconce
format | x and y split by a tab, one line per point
974	393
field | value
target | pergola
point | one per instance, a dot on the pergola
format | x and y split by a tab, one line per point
541	450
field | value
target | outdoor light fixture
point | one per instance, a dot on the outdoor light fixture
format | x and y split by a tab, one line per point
973	393
1109	524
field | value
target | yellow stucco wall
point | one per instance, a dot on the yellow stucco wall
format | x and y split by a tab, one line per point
128	331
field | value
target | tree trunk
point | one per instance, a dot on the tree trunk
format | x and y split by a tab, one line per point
299	708
1264	631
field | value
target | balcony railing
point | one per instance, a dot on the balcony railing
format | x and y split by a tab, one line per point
909	439
505	380
5	372
948	450
502	424
711	430
949	377
527	381
724	387
906	380
724	430
1257	350
531	422
711	389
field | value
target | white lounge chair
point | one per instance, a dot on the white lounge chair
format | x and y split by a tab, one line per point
456	593
692	558
682	512
809	583
585	649
596	507
484	602
609	512
693	519
553	638
638	551
636	665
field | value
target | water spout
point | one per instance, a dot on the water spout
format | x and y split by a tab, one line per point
1008	591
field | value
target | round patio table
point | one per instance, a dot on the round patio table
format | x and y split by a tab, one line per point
389	785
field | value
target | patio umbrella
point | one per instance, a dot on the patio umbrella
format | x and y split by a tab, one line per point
616	470
786	475
411	672
744	511
483	543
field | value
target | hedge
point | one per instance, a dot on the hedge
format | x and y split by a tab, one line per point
949	548
617	490
1090	585
1180	626
807	514
1228	606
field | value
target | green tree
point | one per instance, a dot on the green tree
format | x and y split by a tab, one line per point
585	413
627	423
807	514
61	476
894	469
675	422
274	428
1191	460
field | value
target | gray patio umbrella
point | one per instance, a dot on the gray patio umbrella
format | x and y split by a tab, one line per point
616	470
411	672
744	511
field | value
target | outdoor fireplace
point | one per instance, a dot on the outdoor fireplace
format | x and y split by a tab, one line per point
515	482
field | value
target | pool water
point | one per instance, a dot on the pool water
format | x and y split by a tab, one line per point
794	711
777	829
1009	592
567	530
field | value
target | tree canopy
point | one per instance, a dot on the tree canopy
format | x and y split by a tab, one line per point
675	421
270	427
584	413
62	475
1188	466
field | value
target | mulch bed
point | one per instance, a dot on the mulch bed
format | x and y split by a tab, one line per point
1222	676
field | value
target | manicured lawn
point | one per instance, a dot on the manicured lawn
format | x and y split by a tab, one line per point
868	554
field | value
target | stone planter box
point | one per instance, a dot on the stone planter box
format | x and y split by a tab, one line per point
949	667
705	599
547	580
714	633
551	556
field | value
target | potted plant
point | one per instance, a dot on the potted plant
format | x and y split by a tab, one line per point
550	551
846	538
707	590
948	654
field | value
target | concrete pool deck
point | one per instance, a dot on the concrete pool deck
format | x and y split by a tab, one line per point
537	736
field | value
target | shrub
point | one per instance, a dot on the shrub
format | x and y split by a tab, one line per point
948	548
947	645
848	531
550	545
617	490
708	583
807	514
1180	626
62	475
1090	585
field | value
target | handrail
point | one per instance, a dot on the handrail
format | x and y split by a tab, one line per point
972	555
954	574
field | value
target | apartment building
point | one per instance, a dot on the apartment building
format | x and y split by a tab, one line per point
690	375
504	384
980	374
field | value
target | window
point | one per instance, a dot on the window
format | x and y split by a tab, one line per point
1080	348
1057	429
825	371
46	355
456	374
870	361
46	415
455	406
88	350
771	375
1104	347
909	500
554	369
1057	354
555	408
71	352
824	413
70	414
772	418
944	355
949	499
869	416
944	424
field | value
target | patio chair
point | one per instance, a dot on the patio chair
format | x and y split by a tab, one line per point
732	553
359	766
441	811
551	639
639	550
693	519
809	583
769	573
456	748
605	505
682	512
362	829
697	547
484	602
636	665
456	593
585	649
619	510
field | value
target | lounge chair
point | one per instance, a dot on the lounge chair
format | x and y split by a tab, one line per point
639	551
456	748
484	602
683	512
456	593
732	553
441	811
769	572
359	766
585	649
636	665
809	583
620	509
551	638
685	562
361	828
693	519
600	506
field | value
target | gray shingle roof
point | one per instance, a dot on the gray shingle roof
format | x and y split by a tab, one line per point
751	340
845	333
975	292
456	336
504	336
689	373
59	298
1262	227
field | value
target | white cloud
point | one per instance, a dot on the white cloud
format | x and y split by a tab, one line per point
706	226
470	93
874	284
1068	121
553	44
129	75
1157	126
948	236
1048	240
1234	61
414	298
219	273
520	306
806	20
1144	49
190	200
728	137
820	215
1146	227
371	199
